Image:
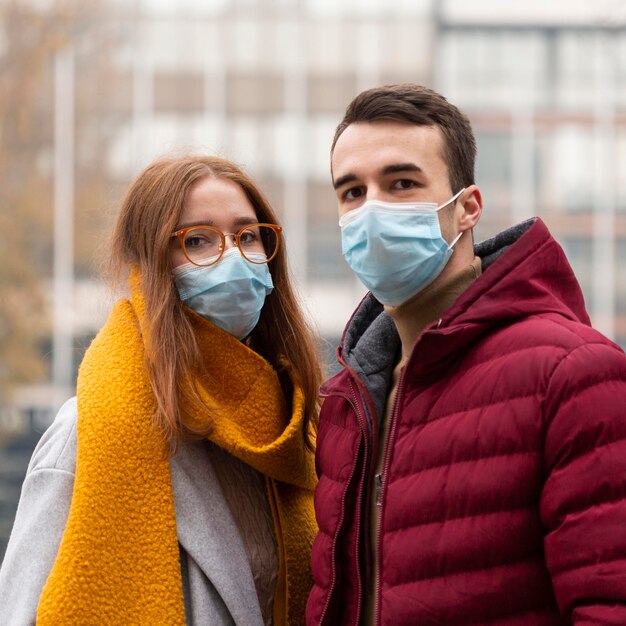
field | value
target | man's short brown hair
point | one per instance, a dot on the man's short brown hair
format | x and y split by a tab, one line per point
414	104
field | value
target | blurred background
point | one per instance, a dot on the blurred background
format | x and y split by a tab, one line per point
91	91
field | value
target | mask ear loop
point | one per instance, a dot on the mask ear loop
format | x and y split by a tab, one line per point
456	239
452	199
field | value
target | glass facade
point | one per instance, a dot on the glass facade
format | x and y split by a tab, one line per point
266	86
547	102
264	82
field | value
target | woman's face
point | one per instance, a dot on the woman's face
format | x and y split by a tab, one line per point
216	202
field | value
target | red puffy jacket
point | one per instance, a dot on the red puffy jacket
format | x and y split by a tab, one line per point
504	497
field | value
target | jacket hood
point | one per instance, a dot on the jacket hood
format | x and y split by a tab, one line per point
524	272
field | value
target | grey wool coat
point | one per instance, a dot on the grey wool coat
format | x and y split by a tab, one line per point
218	587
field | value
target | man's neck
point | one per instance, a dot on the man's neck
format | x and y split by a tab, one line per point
414	315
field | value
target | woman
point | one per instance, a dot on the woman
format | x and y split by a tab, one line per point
177	487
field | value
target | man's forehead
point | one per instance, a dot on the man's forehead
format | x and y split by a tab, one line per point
378	145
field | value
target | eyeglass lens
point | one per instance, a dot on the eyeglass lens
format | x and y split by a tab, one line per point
257	244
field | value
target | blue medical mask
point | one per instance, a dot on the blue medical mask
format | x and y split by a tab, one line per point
395	248
230	294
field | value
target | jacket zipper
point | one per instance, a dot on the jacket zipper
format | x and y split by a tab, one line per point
359	503
380	502
333	554
379	489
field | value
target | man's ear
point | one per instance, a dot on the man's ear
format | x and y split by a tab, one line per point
472	203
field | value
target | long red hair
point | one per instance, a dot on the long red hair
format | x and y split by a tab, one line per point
149	214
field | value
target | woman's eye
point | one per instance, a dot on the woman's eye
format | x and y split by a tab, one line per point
195	242
191	242
202	239
248	237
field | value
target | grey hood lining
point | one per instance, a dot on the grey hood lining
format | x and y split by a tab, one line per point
490	249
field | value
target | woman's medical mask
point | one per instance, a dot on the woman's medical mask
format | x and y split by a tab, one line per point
230	294
395	248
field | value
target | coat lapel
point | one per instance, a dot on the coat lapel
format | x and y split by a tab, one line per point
208	533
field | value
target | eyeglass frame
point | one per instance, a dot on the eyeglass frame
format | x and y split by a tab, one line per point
183	232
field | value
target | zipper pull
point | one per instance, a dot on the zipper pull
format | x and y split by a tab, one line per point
379	489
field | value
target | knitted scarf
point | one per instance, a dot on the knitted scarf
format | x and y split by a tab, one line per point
118	562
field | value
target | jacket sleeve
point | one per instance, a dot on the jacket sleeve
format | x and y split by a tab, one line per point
40	520
583	504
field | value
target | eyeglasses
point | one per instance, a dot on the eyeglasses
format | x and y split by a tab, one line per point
205	245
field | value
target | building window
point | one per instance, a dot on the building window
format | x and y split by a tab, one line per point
254	93
619	167
330	93
493	166
325	261
178	92
578	251
573	167
495	69
620	287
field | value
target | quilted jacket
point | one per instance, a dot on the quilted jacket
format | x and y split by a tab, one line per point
504	491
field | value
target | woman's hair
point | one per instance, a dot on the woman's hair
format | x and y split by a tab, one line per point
149	214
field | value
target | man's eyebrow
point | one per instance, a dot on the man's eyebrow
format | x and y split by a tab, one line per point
402	167
394	168
344	180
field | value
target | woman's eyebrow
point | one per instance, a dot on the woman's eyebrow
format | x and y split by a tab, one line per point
192	224
244	221
238	221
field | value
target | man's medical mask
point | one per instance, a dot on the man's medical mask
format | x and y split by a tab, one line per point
395	248
230	294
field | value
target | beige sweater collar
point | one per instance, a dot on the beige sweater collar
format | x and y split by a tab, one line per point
412	317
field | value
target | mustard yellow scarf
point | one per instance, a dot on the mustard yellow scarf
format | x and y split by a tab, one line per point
118	562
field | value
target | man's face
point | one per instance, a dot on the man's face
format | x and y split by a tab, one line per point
392	162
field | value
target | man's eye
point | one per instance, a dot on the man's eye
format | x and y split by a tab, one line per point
404	183
353	194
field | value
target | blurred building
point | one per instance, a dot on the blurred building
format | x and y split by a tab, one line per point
264	82
545	87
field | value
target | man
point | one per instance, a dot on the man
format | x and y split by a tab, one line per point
472	452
